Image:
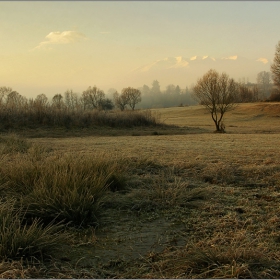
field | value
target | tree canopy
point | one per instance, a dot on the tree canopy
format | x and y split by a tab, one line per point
217	92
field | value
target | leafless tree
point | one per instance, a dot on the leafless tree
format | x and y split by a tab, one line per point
217	92
4	92
57	101
133	96
120	100
263	81
41	100
275	67
15	101
71	100
92	98
247	94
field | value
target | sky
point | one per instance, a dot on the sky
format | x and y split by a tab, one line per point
51	46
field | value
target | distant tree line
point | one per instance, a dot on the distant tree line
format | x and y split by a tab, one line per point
71	109
154	97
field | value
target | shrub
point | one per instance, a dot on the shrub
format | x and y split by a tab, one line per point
275	96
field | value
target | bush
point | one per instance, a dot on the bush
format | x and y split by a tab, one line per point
275	96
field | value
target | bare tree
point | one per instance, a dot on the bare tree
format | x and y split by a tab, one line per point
57	101
217	92
4	92
275	67
41	100
155	87
71	100
247	94
263	81
15	100
132	95
92	98
120	100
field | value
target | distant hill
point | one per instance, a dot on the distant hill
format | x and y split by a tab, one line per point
260	117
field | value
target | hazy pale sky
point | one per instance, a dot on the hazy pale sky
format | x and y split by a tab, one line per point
49	47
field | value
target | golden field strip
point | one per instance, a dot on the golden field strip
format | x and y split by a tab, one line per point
246	118
196	205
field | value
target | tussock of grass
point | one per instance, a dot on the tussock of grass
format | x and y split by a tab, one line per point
219	173
162	190
169	190
237	256
19	240
59	187
62	188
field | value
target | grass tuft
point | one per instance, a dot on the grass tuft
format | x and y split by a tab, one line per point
62	187
170	190
19	240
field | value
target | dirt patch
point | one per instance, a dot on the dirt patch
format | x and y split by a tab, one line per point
127	242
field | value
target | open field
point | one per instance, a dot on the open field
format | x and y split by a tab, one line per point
195	204
246	118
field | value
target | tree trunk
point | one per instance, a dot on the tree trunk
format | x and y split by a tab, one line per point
217	126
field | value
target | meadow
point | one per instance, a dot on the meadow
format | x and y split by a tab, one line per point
158	201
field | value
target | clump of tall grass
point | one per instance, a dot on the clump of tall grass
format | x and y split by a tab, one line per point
245	259
66	188
21	240
168	190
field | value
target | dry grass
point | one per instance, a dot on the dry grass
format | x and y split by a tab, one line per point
22	240
224	156
246	118
194	206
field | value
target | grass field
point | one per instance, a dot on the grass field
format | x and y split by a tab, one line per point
172	203
246	118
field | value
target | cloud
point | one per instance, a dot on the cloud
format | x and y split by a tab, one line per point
193	58
263	60
58	38
180	62
234	57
